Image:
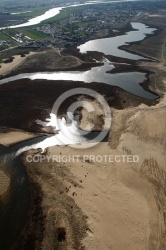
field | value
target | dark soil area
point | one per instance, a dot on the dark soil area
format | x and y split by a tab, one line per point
55	221
32	235
24	101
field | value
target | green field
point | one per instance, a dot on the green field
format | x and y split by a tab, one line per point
33	34
2	4
35	12
4	36
65	13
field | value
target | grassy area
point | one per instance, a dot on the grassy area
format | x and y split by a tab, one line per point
4	36
2	3
16	51
33	34
12	52
64	13
35	12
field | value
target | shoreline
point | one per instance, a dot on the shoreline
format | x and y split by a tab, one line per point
86	62
74	52
116	97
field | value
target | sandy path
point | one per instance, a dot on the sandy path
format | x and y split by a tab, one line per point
6	68
13	137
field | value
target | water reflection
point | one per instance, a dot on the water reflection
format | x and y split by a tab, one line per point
129	81
110	46
55	11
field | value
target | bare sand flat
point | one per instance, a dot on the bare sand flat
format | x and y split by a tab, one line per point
117	213
7	139
122	200
122	203
6	68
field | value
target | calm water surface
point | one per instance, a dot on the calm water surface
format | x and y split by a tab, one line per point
128	81
110	46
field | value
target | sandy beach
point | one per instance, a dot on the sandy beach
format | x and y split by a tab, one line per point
13	137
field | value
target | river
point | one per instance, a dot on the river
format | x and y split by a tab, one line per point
55	11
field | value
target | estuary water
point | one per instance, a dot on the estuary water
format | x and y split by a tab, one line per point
129	81
111	45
